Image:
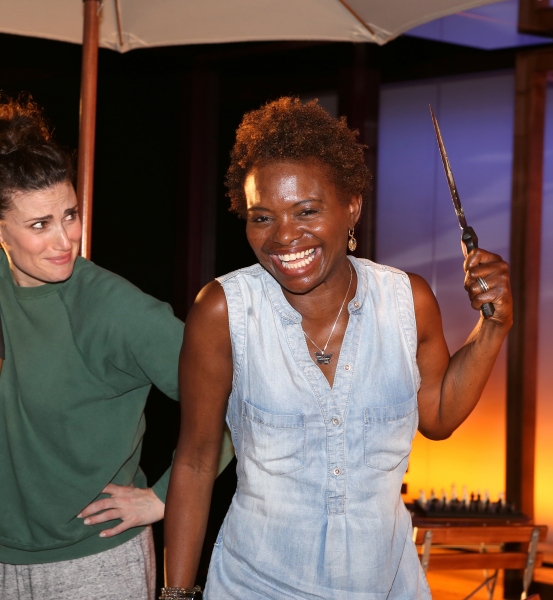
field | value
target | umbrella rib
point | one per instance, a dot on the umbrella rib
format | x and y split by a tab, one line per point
119	23
344	3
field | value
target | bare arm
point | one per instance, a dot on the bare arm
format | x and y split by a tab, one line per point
451	387
205	381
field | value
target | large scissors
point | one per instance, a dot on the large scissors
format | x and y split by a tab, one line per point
469	237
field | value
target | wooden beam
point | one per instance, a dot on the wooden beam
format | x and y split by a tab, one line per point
492	560
359	94
526	211
87	130
491	534
530	90
535	17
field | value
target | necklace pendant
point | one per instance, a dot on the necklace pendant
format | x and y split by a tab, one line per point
322	358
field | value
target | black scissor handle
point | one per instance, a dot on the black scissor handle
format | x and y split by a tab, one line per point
470	239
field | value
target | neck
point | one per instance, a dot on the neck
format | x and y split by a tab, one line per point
323	302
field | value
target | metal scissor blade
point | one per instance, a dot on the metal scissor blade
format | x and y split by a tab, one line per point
449	175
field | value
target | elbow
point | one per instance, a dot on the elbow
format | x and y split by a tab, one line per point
436	434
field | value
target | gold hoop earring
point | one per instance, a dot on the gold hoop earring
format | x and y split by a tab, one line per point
352	242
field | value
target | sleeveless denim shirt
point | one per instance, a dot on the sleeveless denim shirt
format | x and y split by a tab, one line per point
318	513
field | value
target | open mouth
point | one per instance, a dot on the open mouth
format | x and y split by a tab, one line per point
297	260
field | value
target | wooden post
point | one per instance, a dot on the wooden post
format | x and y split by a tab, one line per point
530	102
530	90
87	129
535	17
196	247
358	101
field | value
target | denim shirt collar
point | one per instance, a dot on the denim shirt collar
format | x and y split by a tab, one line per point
288	314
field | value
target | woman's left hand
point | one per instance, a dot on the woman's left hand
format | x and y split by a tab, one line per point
495	273
134	506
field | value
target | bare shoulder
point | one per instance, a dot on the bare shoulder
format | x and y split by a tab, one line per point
211	301
421	290
427	311
207	320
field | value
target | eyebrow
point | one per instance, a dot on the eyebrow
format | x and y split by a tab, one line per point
66	212
298	203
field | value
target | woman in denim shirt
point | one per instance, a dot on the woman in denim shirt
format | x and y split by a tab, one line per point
324	366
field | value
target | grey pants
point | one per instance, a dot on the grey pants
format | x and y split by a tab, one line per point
127	571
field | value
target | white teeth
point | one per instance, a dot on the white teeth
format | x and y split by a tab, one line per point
286	258
298	265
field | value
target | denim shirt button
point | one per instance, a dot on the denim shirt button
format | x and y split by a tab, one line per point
337	471
336	421
356	304
347	367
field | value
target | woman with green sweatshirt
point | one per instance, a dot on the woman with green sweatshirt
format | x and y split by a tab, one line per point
83	347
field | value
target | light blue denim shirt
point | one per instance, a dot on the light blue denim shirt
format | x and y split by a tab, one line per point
318	512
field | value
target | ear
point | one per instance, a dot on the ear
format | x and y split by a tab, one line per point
355	207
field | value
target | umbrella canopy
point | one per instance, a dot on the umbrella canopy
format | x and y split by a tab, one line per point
129	24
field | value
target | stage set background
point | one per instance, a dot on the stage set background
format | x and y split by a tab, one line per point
142	183
476	117
417	232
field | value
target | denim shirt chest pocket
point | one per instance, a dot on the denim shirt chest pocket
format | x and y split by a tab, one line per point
388	434
275	443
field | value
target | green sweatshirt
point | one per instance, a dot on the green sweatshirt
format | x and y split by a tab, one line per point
81	357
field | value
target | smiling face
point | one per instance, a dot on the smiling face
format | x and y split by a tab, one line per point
297	225
41	235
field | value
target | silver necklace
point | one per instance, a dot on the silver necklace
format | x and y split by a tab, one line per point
321	357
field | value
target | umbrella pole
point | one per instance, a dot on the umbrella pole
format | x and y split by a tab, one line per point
87	128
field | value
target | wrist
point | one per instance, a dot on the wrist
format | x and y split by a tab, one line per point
180	593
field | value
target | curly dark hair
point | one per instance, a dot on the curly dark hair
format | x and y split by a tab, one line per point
291	130
30	159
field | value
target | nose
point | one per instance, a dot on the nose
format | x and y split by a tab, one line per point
62	241
285	232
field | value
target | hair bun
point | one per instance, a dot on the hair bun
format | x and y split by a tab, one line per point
22	124
30	159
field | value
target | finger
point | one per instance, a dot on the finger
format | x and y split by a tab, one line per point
497	289
479	255
113	489
123	526
107	515
498	295
475	289
478	301
96	506
494	274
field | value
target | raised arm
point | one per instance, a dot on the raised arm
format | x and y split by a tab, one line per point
205	381
451	386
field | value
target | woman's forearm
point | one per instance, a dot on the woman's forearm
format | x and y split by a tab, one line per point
186	514
205	382
465	378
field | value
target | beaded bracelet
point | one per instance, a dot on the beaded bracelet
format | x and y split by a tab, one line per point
177	593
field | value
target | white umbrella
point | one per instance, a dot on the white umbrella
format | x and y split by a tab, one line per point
127	24
144	23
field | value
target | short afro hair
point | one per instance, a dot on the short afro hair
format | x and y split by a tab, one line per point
291	130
